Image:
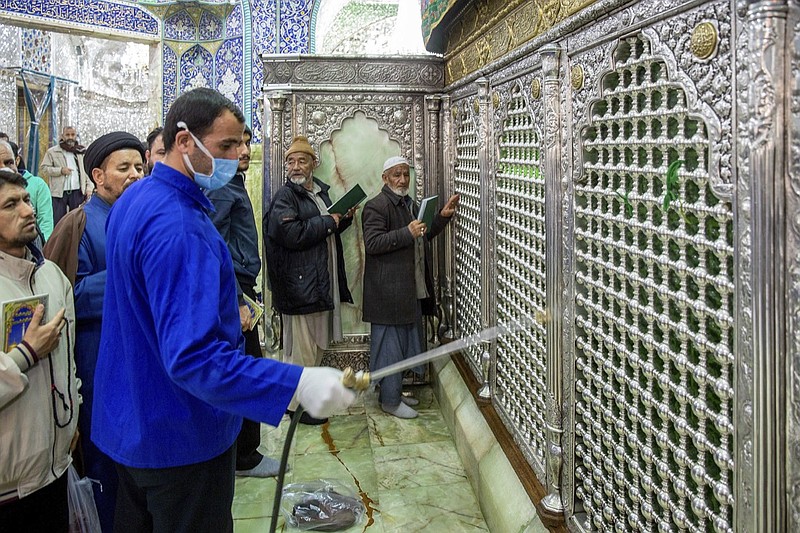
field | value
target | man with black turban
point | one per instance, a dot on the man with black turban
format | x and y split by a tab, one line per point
78	245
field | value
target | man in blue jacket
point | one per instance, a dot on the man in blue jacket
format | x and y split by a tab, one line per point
113	161
172	382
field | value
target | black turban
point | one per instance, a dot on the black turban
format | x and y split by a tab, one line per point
105	145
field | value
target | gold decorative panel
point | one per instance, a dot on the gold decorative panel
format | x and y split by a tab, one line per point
489	29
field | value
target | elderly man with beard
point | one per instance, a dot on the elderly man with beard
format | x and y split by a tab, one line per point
114	161
398	283
38	386
305	261
63	167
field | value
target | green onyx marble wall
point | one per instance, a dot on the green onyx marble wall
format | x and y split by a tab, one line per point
355	154
255	188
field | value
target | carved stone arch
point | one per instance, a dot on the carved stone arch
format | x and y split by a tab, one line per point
323	117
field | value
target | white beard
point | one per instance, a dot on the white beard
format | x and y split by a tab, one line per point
399	191
298	181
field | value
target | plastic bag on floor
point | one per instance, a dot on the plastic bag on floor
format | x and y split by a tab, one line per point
321	505
82	510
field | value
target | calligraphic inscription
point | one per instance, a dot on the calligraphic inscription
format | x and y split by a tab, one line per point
112	15
704	40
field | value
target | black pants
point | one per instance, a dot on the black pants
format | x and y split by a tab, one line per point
247	455
71	200
184	499
44	510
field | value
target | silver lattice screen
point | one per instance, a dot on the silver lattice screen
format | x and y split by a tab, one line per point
520	241
654	311
468	227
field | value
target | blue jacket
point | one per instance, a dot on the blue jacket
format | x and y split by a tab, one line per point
90	285
171	383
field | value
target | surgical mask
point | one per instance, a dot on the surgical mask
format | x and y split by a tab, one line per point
222	170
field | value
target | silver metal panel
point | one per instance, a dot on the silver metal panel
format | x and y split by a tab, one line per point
467	265
654	301
792	53
520	385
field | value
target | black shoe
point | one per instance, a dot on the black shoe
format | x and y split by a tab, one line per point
309	420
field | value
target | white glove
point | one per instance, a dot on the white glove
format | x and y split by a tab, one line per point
321	393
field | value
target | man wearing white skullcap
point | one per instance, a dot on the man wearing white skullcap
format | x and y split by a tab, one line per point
398	284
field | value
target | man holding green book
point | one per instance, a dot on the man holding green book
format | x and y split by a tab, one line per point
398	284
305	261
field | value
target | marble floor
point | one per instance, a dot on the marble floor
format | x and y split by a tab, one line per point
406	472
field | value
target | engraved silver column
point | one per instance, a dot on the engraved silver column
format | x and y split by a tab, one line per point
448	309
434	185
554	277
277	107
763	140
487	221
272	179
792	45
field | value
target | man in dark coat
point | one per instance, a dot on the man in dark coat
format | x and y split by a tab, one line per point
305	261
233	217
398	284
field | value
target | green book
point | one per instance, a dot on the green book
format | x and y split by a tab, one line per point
427	210
351	198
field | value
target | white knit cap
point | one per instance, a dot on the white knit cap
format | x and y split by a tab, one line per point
394	161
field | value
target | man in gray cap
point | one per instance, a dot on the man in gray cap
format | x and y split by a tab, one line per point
398	284
113	162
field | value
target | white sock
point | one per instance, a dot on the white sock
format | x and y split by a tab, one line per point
401	410
409	400
268	467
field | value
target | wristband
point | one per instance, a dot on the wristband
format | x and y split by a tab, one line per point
31	350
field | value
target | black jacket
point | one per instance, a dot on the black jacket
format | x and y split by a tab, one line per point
390	285
297	254
236	223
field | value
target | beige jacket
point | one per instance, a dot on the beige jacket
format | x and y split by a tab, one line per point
35	438
50	169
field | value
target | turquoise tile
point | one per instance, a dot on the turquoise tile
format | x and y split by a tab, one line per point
253	525
354	468
253	489
406	472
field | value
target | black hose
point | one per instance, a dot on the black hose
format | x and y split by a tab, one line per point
287	445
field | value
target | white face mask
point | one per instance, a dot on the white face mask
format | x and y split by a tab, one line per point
222	170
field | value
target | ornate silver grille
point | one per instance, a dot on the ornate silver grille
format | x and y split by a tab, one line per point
654	311
520	242
467	264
